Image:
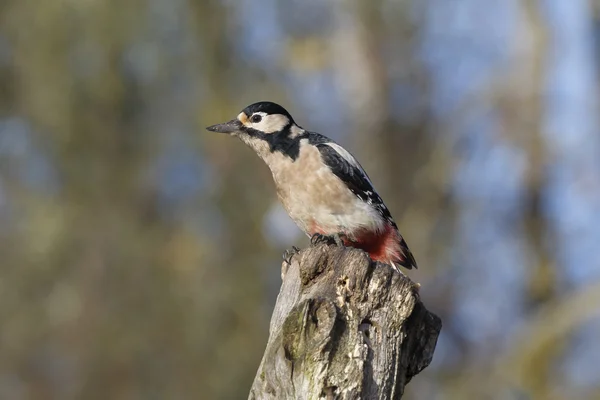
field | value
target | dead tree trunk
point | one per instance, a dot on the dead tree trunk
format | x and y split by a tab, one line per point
344	327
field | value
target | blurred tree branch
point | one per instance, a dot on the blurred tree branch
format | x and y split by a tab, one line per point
344	327
553	323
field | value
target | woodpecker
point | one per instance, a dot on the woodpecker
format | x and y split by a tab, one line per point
323	188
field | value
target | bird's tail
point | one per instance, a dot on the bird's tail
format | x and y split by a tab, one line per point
404	257
395	251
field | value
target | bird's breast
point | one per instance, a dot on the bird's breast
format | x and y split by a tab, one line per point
314	196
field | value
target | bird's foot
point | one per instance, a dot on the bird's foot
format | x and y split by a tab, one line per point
319	238
336	238
289	253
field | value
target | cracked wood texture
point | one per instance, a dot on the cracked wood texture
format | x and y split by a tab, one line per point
344	327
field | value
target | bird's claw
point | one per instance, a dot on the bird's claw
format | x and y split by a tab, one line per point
336	239
289	253
339	239
318	238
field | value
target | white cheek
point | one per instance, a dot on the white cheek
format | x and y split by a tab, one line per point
271	123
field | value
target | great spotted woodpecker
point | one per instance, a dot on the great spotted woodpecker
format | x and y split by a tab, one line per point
321	185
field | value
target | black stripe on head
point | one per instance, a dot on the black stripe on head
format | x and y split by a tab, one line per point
267	107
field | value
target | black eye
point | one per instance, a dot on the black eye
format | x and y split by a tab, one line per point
256	118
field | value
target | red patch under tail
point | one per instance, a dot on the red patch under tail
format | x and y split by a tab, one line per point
387	247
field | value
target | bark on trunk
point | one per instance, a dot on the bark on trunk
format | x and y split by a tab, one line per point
344	327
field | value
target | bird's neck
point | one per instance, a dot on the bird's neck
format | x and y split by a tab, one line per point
285	143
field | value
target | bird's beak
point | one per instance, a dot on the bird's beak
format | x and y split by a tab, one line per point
227	127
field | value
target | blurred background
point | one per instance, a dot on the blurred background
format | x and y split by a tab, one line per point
140	255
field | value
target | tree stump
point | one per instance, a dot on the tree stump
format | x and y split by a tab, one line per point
344	327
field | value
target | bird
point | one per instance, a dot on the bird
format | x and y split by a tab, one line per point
321	185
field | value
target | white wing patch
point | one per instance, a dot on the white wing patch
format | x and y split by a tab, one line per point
348	157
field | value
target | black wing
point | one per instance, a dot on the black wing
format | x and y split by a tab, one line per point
355	177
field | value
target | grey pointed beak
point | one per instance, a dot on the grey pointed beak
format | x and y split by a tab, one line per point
227	127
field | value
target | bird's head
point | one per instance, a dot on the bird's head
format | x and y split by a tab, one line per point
266	127
262	118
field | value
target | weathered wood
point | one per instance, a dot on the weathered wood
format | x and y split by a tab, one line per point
344	327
